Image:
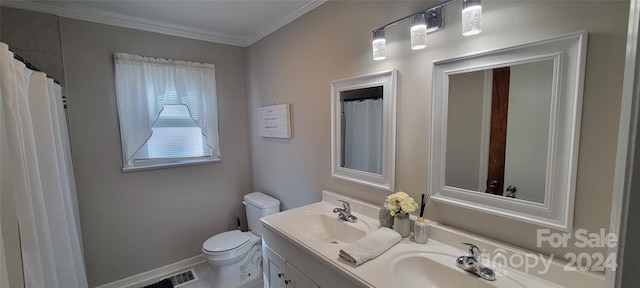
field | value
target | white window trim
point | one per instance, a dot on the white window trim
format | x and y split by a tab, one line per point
165	164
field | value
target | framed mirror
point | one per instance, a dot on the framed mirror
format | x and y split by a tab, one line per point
505	130
363	129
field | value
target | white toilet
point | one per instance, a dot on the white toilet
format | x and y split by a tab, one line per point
236	256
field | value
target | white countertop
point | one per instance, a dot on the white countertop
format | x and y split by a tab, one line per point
377	272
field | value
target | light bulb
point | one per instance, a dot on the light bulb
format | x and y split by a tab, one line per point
379	45
379	49
418	32
471	17
418	37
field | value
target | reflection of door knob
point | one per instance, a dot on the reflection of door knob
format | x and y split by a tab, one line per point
511	191
494	184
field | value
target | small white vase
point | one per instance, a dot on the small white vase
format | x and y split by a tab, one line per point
402	224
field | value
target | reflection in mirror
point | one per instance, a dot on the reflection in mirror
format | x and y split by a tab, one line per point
498	130
507	123
363	129
361	125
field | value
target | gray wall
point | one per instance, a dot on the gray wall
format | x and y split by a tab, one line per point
137	221
296	64
35	37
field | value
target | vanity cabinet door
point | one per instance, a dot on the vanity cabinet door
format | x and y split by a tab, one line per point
273	270
295	279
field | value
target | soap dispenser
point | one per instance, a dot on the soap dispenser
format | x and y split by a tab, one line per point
420	231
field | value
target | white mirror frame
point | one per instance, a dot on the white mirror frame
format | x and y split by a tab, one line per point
388	80
569	54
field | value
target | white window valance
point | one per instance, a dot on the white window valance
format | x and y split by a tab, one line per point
144	85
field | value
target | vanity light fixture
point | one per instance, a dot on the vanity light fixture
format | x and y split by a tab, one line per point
427	21
379	44
419	32
471	17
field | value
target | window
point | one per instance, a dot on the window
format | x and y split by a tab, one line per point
167	111
175	137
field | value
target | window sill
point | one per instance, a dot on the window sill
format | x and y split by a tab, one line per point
171	165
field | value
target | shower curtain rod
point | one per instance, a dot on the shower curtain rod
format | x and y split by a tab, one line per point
34	68
29	65
362	98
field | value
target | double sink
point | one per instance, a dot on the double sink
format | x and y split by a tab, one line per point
317	230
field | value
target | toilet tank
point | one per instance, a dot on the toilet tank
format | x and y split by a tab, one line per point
259	205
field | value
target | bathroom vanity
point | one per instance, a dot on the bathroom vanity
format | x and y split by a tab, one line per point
301	246
284	267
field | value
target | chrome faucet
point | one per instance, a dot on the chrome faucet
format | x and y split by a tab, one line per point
471	263
344	213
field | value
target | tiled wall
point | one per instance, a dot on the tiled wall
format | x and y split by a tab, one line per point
35	37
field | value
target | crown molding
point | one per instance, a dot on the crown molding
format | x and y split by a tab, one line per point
286	20
120	20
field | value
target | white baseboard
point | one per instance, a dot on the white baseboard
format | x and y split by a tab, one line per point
158	273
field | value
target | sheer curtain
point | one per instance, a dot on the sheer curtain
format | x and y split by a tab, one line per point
36	169
147	84
363	135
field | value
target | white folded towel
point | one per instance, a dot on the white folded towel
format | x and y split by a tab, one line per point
370	246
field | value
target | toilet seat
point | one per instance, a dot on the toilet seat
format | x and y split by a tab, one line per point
228	245
225	241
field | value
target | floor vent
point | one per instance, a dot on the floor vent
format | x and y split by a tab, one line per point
183	278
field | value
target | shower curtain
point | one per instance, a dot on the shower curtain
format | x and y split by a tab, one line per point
36	169
363	135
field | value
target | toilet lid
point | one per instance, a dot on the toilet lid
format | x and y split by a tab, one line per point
225	241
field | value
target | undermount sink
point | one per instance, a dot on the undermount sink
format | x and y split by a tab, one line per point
328	228
422	270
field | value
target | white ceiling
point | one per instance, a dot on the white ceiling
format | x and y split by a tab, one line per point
233	22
